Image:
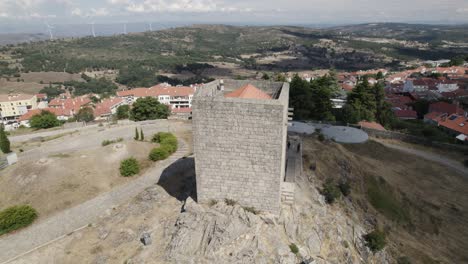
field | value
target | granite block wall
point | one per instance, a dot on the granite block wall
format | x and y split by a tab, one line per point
239	147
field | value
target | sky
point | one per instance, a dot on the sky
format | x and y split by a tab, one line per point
233	11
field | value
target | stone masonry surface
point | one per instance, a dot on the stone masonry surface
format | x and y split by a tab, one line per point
239	146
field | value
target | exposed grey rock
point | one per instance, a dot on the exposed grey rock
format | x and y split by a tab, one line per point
146	239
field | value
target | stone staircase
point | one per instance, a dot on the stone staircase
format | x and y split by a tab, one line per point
287	192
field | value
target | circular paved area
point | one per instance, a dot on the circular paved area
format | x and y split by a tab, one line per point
340	134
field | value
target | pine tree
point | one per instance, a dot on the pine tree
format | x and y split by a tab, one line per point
4	142
136	134
142	136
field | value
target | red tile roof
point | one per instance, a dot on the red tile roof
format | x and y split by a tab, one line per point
444	107
456	123
346	87
248	91
55	111
158	90
105	107
181	110
406	114
372	125
70	104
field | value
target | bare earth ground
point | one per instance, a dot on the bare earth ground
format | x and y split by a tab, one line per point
60	181
434	196
424	204
69	167
19	87
72	170
46	77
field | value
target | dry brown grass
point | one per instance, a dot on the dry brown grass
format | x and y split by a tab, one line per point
66	179
19	87
420	203
46	77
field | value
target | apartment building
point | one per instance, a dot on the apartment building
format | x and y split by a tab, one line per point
177	97
12	106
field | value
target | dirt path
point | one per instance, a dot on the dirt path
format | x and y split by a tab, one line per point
46	230
431	156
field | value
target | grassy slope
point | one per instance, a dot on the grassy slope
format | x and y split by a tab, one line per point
421	204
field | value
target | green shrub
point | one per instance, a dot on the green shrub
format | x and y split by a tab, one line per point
4	142
251	210
16	217
167	141
129	167
345	188
108	142
294	249
158	154
331	191
321	137
229	202
375	240
403	260
161	136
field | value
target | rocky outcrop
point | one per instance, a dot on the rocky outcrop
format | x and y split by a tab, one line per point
222	233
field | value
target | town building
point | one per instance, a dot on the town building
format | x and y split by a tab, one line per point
69	104
107	107
174	96
61	114
454	124
240	134
12	106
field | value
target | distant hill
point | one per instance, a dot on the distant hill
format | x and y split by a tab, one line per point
259	48
14	38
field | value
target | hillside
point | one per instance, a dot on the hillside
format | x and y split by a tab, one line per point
275	48
424	222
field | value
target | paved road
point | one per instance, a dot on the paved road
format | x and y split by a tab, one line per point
431	156
71	219
294	159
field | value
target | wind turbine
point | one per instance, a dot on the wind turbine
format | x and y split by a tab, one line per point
150	26
92	29
125	28
49	28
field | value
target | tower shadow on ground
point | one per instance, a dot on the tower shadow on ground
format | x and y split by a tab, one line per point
179	179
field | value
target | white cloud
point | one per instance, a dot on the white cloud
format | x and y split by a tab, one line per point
462	10
149	6
99	12
77	12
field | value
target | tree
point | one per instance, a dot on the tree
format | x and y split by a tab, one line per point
4	142
137	136
142	136
379	75
123	112
457	61
363	100
51	91
312	100
85	114
43	120
375	240
148	108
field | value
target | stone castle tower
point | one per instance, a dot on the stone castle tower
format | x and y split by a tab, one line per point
240	133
